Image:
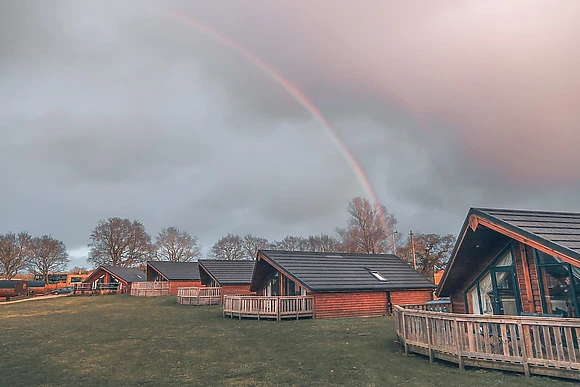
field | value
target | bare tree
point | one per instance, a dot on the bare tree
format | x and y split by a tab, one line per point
48	255
323	243
119	242
79	270
175	245
432	252
14	253
292	243
252	244
230	247
369	228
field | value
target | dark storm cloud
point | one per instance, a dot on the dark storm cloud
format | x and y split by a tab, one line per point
119	109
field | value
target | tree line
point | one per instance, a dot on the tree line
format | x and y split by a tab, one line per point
370	229
38	255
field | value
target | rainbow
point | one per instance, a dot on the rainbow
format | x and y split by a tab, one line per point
298	95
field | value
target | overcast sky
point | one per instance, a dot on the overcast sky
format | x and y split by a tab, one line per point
112	108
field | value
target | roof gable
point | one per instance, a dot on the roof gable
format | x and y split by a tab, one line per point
326	272
555	232
176	271
125	274
228	272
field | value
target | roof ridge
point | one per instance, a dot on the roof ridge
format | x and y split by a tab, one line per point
514	211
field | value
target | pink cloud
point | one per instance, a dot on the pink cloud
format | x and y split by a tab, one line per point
501	75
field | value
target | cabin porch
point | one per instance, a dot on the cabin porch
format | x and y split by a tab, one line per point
268	307
532	345
199	296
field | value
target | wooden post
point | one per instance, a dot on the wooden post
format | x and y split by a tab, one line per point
458	344
402	313
429	339
524	338
278	308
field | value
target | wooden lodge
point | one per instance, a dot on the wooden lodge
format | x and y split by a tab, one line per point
218	278
513	281
177	274
292	284
108	279
233	277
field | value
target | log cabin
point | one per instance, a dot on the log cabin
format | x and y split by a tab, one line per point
513	262
178	274
233	277
113	279
513	281
340	284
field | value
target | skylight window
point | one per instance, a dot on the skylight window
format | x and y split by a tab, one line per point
378	276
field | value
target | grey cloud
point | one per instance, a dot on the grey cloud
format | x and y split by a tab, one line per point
119	109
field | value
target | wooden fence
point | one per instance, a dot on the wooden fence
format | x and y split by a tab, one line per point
199	296
269	307
150	289
532	345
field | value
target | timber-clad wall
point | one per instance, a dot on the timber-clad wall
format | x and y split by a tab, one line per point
529	289
174	285
359	304
236	290
411	297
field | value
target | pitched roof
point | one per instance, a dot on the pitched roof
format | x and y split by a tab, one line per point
339	271
175	271
228	272
558	231
127	274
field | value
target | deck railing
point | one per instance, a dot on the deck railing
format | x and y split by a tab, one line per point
444	307
532	345
269	307
199	296
150	289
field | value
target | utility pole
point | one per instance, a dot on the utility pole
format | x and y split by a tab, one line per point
413	250
395	242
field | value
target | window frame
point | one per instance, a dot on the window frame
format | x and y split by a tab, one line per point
568	266
492	269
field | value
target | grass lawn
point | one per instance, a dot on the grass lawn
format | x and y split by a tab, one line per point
126	341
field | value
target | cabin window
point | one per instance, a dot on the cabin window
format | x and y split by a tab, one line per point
495	289
559	286
273	286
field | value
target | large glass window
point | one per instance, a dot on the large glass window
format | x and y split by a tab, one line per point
495	290
559	286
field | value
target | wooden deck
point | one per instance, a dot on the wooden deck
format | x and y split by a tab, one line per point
531	345
150	289
199	296
261	307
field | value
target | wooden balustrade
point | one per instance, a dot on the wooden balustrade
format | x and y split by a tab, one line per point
199	296
150	289
444	307
532	345
268	307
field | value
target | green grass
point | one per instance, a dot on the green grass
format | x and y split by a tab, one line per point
126	341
